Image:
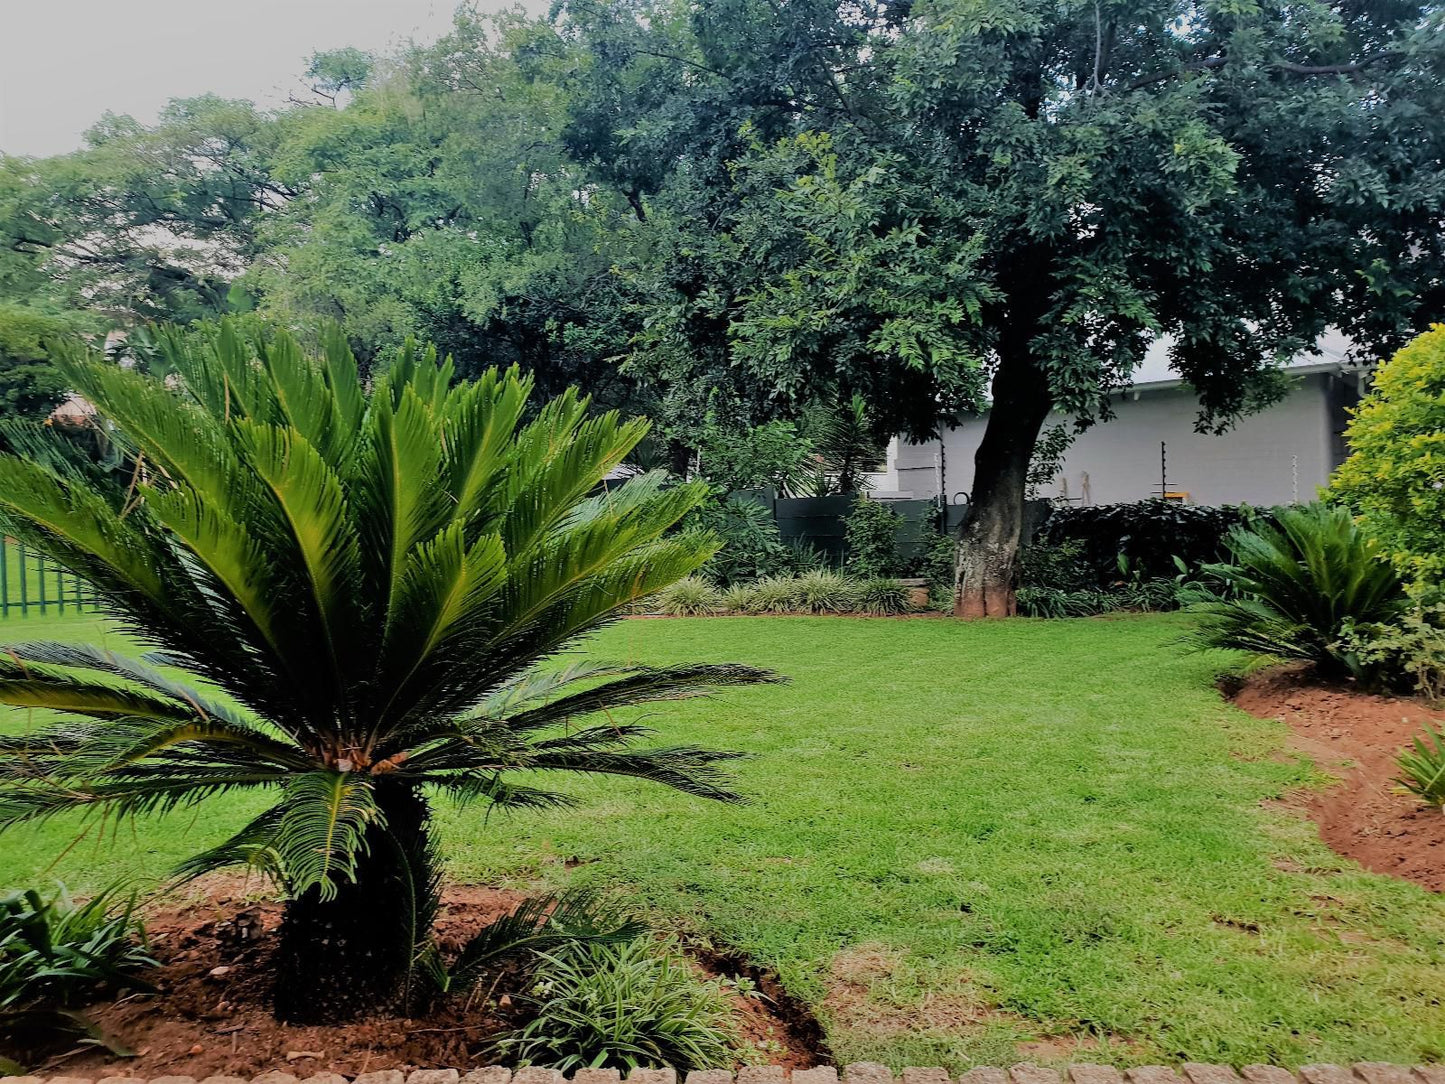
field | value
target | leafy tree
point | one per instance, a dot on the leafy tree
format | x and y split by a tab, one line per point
143	221
1235	177
377	580
440	203
1395	475
30	387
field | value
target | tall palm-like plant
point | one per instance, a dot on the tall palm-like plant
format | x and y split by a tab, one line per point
368	585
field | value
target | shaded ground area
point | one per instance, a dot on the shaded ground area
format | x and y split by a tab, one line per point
1356	737
212	1016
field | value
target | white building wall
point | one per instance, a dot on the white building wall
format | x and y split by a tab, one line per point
1281	454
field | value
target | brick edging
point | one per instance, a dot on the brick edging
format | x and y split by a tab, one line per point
1365	1072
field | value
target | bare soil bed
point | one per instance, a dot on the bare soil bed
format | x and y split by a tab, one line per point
1356	737
211	1013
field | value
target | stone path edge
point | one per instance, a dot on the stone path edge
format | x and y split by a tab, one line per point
1365	1072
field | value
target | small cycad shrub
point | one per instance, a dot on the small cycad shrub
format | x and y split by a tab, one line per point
882	597
1292	591
825	593
690	597
622	1006
1422	768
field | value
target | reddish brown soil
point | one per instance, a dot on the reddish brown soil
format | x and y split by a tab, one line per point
1357	737
211	1015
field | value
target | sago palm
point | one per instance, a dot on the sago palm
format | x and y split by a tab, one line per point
1294	589
368	585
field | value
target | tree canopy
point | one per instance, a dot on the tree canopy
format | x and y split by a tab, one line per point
748	208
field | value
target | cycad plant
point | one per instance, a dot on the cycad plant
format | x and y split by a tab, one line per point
369	585
1292	591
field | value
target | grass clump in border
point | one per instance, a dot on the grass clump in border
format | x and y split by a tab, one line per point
882	597
690	597
625	1006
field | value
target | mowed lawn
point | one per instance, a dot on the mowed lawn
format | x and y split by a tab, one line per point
967	843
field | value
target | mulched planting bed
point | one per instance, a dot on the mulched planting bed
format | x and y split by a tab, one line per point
211	1014
1356	737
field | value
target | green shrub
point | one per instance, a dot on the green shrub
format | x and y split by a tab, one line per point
367	580
825	593
940	561
1052	602
1293	590
690	597
554	923
881	597
1150	534
55	956
1057	566
622	1006
751	545
1407	654
872	531
1422	767
1394	478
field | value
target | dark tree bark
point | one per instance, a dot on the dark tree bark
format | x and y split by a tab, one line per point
352	955
989	541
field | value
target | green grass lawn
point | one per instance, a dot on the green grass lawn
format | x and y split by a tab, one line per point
963	838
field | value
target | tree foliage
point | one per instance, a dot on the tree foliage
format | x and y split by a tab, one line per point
1395	475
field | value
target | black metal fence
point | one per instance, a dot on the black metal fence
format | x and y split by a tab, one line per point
822	522
32	584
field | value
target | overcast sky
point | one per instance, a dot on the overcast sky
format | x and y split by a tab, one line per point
65	62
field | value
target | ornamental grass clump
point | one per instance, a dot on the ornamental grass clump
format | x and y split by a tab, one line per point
624	1006
369	583
691	597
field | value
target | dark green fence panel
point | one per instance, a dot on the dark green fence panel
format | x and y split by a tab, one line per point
33	584
818	521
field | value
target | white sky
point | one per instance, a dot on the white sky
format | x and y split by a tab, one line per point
65	62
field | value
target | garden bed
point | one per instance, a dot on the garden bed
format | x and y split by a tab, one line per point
1357	737
211	1014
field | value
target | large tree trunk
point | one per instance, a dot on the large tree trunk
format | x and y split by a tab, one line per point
989	542
351	955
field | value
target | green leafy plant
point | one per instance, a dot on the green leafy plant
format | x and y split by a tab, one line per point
690	597
751	546
1153	535
553	923
940	560
825	593
774	594
1293	590
1408	653
847	444
622	1006
56	956
872	533
1394	478
1422	768
373	580
881	597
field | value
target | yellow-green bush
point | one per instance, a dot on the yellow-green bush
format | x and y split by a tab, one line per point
1394	478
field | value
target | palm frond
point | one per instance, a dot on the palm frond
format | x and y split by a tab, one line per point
541	924
321	831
